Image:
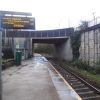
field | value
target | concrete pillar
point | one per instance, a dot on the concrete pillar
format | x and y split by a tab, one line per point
32	48
64	50
29	47
0	65
13	45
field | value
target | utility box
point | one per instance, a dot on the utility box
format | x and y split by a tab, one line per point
18	58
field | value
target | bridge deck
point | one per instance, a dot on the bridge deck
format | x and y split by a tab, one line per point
35	80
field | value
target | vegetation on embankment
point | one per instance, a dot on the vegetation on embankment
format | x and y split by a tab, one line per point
7	53
90	75
75	44
82	67
7	63
7	58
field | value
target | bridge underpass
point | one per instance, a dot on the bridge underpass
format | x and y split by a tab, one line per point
61	45
59	37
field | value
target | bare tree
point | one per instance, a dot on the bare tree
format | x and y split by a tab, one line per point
83	25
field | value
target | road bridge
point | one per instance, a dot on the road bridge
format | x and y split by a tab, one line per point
59	37
18	32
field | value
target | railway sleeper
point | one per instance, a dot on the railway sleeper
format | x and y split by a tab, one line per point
97	97
86	89
87	94
72	78
78	86
75	83
76	80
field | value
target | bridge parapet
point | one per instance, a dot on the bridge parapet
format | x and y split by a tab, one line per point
39	34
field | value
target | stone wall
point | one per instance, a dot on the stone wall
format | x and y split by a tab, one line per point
90	46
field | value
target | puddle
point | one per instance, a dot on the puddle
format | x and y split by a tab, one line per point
40	59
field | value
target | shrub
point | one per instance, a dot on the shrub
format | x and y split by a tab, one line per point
97	67
81	64
75	44
7	53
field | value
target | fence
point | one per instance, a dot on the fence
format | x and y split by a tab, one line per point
94	22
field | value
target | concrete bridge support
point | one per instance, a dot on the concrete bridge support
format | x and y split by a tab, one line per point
29	47
64	50
24	45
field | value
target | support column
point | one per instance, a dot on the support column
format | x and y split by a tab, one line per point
64	50
0	65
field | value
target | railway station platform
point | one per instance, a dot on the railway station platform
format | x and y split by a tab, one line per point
35	79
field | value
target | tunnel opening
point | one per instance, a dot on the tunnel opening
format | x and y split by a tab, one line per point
58	48
47	50
47	46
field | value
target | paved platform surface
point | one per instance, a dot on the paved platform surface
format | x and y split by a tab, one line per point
35	79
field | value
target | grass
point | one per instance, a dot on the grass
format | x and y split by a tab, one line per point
89	75
6	60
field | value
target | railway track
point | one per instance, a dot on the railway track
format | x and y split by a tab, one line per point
84	89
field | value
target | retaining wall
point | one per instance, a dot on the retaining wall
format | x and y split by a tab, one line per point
90	45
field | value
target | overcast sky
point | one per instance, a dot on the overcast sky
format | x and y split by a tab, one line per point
53	14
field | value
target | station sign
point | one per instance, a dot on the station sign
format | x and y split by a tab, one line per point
12	22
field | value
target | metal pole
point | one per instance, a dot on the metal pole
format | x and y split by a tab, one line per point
5	39
88	49
68	22
0	64
94	47
94	17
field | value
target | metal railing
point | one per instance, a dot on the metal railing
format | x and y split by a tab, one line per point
94	22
